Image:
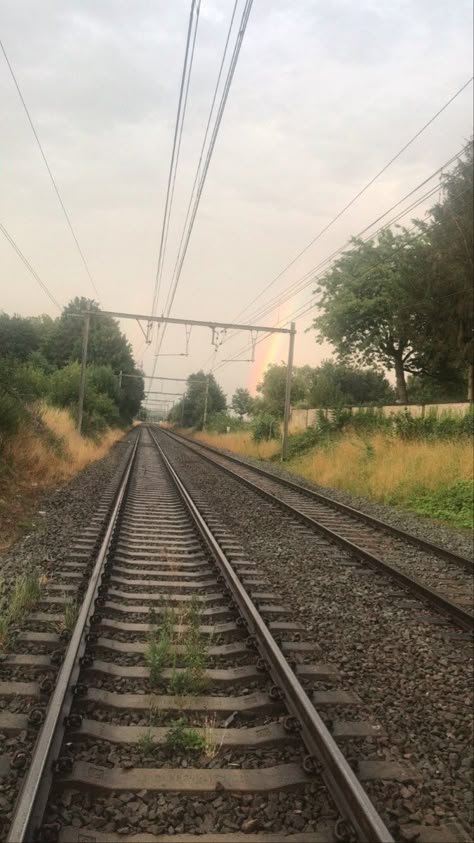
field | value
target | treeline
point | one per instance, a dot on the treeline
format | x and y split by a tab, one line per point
40	361
328	385
405	300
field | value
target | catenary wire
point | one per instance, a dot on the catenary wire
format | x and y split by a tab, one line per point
215	131
311	304
305	280
211	111
182	100
29	266
225	93
53	181
357	195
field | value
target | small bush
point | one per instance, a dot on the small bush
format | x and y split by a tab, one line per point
223	423
184	739
11	414
265	427
452	503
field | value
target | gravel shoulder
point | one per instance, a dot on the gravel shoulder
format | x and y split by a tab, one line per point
457	539
412	675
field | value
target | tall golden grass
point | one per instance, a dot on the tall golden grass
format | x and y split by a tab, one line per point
241	442
35	462
387	468
383	467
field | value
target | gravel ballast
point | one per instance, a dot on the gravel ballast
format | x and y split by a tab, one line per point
412	672
458	539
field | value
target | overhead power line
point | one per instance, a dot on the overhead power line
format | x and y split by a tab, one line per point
178	131
200	177
357	196
311	275
301	310
308	277
53	181
215	131
29	266
201	174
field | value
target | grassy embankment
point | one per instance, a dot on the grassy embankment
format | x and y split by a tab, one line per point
36	458
432	477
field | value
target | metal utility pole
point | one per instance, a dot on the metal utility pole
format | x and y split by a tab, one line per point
120	379
289	372
206	398
82	386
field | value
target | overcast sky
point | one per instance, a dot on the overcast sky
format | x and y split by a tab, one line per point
325	93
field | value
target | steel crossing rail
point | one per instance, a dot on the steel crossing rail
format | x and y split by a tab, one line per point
347	792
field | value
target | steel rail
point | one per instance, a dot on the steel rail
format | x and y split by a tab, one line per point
455	612
372	521
349	795
32	799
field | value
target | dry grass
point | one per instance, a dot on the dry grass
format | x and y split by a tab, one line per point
407	473
385	467
34	461
240	442
30	464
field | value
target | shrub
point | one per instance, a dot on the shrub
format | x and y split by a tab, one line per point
11	414
452	503
220	422
265	427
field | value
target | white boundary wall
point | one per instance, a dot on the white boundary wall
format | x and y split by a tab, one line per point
301	419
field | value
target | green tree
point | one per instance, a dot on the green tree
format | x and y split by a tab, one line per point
450	385
446	303
107	346
273	388
198	386
242	402
336	384
19	336
43	357
368	303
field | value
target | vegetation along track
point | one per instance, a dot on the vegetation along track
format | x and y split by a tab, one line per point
443	578
179	711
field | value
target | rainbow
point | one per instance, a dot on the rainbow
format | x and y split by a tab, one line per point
273	349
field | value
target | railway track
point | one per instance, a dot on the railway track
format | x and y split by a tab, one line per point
440	577
179	710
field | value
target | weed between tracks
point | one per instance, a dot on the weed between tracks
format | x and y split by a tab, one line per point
168	630
21	598
183	737
69	618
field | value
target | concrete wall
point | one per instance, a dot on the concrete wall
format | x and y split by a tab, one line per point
301	419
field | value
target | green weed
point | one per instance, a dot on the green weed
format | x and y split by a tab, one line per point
22	597
184	739
452	503
68	621
146	743
157	654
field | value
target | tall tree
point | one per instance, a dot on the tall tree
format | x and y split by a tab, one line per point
202	390
273	387
368	304
447	302
20	336
336	384
107	347
242	402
